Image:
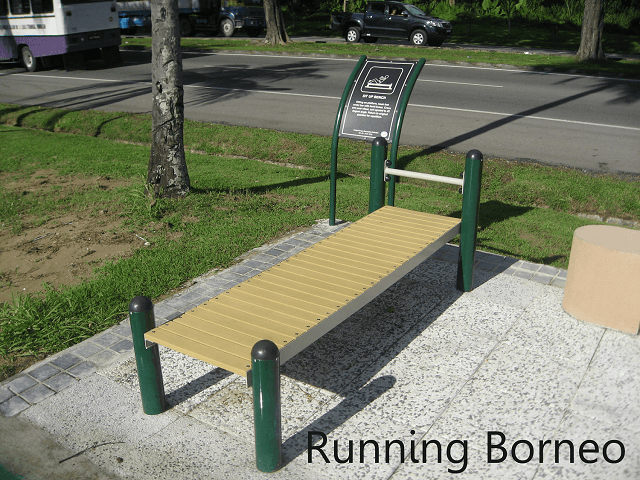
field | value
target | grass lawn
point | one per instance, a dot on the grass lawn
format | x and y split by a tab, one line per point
248	186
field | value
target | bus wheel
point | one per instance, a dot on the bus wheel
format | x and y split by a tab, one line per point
227	27
28	60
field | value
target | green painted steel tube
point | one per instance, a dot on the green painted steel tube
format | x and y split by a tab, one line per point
334	144
265	374
396	136
376	178
469	222
142	320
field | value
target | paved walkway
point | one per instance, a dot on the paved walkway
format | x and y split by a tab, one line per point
438	375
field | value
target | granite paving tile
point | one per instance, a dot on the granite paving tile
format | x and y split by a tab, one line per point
20	383
44	371
13	406
61	381
37	394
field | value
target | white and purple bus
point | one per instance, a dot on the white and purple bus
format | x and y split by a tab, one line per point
35	31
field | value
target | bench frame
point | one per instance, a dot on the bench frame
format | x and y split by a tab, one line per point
264	375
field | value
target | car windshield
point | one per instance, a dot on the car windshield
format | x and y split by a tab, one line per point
413	10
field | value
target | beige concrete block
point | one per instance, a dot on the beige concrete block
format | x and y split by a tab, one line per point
603	279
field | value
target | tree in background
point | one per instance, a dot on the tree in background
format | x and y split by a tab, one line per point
167	174
592	28
276	30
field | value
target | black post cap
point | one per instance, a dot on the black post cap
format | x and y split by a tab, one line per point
265	350
140	304
380	142
475	155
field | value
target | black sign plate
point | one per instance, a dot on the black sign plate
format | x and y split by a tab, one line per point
372	106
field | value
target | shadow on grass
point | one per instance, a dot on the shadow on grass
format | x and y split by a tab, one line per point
274	186
495	211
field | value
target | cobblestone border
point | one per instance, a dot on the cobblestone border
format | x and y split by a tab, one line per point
64	369
492	262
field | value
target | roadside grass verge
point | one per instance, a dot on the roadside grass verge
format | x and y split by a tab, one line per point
380	50
238	202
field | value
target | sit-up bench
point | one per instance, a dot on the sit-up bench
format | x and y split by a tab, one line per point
300	299
254	327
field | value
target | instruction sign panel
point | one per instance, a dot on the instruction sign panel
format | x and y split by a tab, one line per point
372	106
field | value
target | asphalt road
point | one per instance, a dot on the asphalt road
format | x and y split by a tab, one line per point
578	121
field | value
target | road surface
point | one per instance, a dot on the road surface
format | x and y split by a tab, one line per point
578	121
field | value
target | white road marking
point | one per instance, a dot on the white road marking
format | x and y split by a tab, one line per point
548	119
461	83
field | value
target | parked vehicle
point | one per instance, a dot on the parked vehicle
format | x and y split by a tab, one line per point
247	15
195	15
210	16
389	19
36	31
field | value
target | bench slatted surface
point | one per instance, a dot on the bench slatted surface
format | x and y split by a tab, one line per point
300	299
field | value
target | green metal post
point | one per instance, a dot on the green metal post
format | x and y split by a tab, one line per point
334	144
396	136
142	320
265	374
376	178
469	223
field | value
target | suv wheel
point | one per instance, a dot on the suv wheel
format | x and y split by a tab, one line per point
419	38
352	35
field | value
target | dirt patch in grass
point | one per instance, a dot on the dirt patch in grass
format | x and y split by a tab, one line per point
61	251
64	249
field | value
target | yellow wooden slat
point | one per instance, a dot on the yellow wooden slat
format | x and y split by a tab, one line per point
279	302
325	270
260	327
283	315
366	243
386	259
394	216
267	286
234	314
231	333
229	341
190	346
318	283
335	254
336	262
404	238
382	244
408	219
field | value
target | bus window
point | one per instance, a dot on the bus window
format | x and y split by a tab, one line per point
42	6
77	2
19	7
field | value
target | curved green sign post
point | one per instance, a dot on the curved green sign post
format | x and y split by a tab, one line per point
373	105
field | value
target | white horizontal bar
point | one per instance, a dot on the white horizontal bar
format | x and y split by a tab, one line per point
423	176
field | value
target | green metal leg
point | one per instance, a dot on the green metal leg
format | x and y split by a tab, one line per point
376	178
265	373
469	223
147	359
